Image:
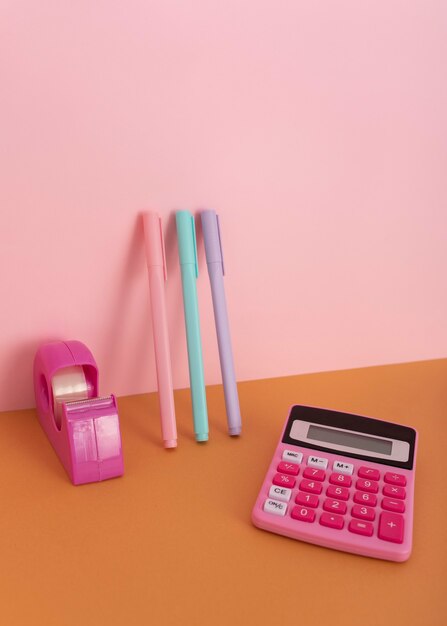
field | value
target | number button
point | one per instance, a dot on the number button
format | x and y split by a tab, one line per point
340	479
365	498
367	485
314	473
334	506
394	492
308	499
395	479
396	506
280	493
391	527
332	521
302	514
316	461
311	486
361	528
282	480
274	507
369	473
338	493
363	512
288	468
291	455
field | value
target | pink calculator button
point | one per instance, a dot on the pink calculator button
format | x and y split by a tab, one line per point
338	493
311	486
288	468
365	498
396	506
334	506
394	492
308	499
332	521
302	514
369	473
361	528
363	512
283	480
367	485
391	527
340	479
314	474
395	479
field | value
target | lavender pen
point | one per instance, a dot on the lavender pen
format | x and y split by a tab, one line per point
214	261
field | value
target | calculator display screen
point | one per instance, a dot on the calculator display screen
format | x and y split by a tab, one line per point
353	440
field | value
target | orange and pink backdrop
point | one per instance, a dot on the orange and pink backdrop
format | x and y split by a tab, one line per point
318	130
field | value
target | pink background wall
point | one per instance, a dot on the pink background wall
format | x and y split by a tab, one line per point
317	129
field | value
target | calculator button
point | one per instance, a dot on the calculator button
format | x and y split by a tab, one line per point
367	485
391	527
302	514
361	528
343	468
334	506
308	499
280	493
275	507
396	506
394	492
369	473
314	474
291	455
363	512
365	498
395	479
316	461
288	468
282	480
332	521
340	479
339	493
311	486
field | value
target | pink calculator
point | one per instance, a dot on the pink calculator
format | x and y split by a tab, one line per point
341	481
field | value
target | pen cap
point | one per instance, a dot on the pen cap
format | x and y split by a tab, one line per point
211	237
186	234
153	237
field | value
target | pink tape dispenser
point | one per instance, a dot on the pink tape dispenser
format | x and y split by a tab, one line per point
83	428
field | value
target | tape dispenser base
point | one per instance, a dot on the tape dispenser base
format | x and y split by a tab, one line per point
83	428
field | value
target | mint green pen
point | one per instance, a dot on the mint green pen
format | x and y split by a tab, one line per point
187	247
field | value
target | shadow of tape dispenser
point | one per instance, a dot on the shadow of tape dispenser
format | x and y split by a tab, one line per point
83	428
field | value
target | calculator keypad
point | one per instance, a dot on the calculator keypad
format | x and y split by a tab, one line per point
394	492
288	468
314	474
303	514
332	521
308	499
347	497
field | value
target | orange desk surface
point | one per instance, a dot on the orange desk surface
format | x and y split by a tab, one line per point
171	542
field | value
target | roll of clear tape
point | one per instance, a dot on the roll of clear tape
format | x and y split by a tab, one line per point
68	384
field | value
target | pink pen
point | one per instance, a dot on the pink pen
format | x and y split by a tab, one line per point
156	265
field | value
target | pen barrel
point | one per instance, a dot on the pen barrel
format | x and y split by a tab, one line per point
195	359
162	354
225	350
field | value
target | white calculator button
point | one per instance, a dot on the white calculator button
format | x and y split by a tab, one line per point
275	507
280	493
316	461
291	455
343	468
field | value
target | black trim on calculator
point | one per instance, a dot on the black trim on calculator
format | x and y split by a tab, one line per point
356	423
